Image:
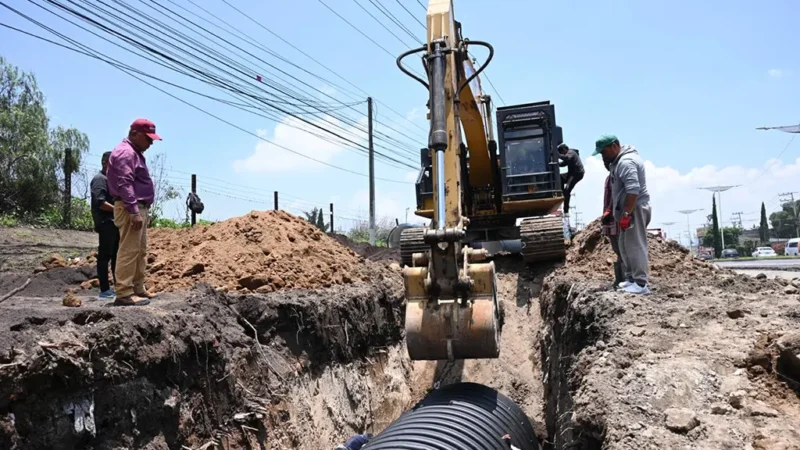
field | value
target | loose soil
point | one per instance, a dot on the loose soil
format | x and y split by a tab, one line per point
707	361
22	249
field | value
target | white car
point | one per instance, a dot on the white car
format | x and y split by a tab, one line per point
764	252
791	247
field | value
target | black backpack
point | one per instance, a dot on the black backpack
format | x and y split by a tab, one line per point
194	203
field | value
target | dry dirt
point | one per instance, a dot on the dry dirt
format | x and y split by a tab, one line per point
707	361
23	248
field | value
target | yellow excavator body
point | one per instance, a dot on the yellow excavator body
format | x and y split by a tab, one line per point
472	192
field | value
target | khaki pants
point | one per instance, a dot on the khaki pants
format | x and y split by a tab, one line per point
132	253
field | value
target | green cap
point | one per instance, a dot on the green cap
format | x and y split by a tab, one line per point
603	142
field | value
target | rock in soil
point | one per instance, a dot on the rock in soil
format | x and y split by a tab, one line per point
681	420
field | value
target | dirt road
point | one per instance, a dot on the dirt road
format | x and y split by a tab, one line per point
22	249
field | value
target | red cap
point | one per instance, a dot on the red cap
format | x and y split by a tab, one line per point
147	127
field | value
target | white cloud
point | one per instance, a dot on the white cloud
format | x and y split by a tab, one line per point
388	205
294	134
775	73
671	191
414	114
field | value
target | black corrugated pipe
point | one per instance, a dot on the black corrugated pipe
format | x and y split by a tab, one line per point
461	416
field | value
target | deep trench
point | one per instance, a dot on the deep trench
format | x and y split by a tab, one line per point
182	394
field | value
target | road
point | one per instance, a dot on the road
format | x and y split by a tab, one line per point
766	264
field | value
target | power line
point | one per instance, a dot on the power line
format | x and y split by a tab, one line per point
381	23
261	25
361	32
257	44
774	160
225	121
218	81
423	6
388	14
410	13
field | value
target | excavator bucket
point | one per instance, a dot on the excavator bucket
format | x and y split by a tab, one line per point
467	328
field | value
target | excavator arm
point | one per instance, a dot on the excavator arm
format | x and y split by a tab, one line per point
452	310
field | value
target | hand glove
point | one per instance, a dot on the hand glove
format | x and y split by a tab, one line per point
607	218
625	222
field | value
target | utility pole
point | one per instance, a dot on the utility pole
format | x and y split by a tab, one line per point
68	187
332	229
371	176
719	190
688	227
194	191
794	208
738	215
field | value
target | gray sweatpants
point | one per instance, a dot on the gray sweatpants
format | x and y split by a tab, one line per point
633	245
619	266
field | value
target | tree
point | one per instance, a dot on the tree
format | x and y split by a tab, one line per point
715	228
317	218
164	190
763	228
31	154
784	222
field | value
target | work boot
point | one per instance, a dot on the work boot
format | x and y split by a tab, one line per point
131	300
145	294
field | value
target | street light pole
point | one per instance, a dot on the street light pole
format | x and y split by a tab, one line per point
668	225
719	190
688	226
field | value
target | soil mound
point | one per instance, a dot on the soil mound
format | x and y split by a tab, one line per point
592	257
263	251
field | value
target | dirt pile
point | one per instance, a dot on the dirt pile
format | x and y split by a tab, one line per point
263	251
708	360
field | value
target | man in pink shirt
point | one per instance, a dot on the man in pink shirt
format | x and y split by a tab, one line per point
133	192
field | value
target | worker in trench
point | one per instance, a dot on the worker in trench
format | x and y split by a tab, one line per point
610	227
355	442
571	159
631	206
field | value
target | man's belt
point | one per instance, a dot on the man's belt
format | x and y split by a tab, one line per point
146	205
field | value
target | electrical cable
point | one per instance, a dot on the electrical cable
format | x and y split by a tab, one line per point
221	119
150	49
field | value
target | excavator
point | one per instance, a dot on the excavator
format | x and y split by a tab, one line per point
474	188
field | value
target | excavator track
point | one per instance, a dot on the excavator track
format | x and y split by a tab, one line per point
542	239
412	241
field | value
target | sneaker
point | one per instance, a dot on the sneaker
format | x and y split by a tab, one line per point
107	295
634	288
625	284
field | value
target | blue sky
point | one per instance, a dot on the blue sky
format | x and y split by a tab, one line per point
686	83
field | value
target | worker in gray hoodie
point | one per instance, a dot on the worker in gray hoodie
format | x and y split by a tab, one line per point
631	203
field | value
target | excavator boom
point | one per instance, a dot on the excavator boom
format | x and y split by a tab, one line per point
451	310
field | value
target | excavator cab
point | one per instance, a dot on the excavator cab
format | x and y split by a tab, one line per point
528	138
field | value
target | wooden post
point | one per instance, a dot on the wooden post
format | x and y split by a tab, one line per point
194	191
276	200
332	229
67	187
